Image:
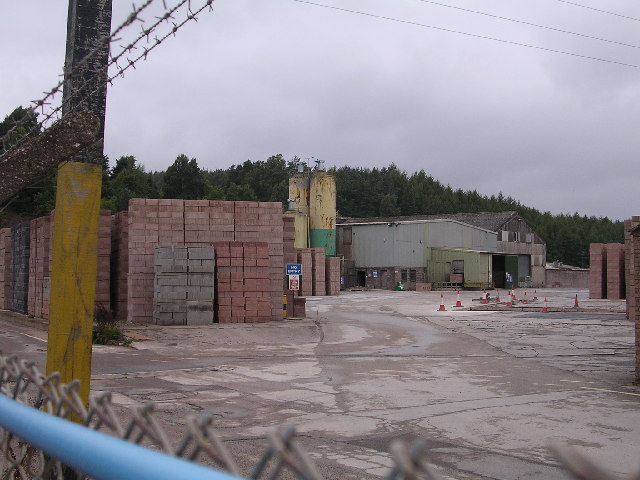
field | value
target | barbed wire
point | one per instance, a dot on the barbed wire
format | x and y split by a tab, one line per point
143	40
22	381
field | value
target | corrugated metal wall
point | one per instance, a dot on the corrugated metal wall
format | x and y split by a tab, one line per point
477	265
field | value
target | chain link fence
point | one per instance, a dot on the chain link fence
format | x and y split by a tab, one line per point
23	385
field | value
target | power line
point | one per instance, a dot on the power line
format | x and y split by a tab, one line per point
601	11
474	35
524	22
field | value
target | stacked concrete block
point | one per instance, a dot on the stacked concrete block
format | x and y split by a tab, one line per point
119	263
200	285
40	243
306	279
20	247
615	271
170	286
319	286
183	285
597	271
243	278
332	275
143	239
193	223
630	272
262	222
171	222
634	255
5	268
103	276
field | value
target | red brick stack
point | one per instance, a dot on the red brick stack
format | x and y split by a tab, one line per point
634	292
332	275
103	278
196	223
306	280
289	238
5	268
262	222
120	263
243	279
39	265
615	271
143	238
221	221
630	271
171	222
40	254
319	287
597	271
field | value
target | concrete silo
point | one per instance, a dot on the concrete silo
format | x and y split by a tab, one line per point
322	211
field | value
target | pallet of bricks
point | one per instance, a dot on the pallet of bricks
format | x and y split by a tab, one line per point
5	268
243	282
40	253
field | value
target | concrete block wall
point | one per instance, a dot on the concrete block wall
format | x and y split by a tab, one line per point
615	271
5	268
20	247
332	275
597	271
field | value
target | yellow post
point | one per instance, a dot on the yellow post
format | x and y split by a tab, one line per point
73	273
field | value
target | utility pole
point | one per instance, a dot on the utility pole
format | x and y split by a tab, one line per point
75	225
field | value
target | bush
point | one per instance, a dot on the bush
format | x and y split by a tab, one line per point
105	328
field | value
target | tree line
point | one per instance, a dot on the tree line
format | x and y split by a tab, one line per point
361	192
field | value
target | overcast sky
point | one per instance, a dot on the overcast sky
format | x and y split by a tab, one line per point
256	78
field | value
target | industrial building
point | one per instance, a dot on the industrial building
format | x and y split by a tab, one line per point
478	250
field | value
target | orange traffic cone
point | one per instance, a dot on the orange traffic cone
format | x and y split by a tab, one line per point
545	309
510	299
442	309
497	295
483	299
524	300
513	295
535	294
458	302
575	302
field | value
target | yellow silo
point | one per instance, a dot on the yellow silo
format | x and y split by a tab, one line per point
322	212
299	207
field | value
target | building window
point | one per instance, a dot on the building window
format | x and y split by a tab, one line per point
412	276
505	235
517	237
403	275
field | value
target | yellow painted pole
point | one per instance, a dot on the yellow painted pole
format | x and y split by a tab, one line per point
73	273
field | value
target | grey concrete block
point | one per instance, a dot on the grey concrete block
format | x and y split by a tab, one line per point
201	253
200	280
171	280
199	293
199	312
172	252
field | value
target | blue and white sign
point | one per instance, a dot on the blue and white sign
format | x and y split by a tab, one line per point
294	269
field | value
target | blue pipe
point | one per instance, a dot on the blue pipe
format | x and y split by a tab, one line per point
93	453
